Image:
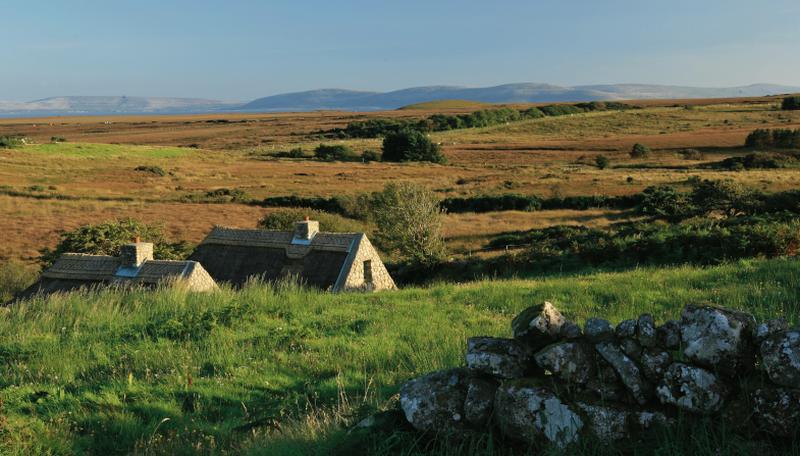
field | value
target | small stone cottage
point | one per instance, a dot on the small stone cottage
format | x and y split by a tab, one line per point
329	261
135	266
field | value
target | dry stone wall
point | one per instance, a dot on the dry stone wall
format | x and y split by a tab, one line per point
558	383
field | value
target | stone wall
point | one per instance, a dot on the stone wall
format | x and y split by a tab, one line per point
557	382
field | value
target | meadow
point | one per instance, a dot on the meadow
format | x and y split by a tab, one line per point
282	370
105	168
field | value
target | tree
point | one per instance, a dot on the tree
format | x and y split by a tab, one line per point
410	145
664	201
726	196
602	161
409	222
334	152
107	239
791	103
640	151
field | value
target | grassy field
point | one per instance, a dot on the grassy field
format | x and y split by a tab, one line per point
48	187
286	371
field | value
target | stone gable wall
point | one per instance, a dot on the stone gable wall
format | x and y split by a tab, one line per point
381	280
558	383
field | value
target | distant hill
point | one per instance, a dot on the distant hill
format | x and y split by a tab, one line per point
446	104
355	100
93	105
508	93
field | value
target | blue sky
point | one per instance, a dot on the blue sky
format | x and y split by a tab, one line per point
240	50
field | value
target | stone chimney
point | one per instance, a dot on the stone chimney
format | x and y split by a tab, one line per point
134	254
306	230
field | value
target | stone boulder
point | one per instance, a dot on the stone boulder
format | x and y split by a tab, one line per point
527	412
692	389
777	411
628	371
646	331
769	328
654	363
538	325
572	362
669	335
780	355
718	339
631	348
626	329
570	331
479	403
606	385
435	402
598	330
502	358
604	422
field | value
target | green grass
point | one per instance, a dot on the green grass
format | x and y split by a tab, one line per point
265	371
98	151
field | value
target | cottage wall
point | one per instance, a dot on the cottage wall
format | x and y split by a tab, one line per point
381	280
198	279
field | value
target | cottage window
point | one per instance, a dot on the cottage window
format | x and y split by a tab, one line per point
368	272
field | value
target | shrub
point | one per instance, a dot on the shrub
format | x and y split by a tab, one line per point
285	219
370	156
725	196
756	161
334	152
411	145
640	151
791	103
151	169
602	161
223	195
691	154
107	238
409	222
779	138
58	139
666	202
487	203
10	142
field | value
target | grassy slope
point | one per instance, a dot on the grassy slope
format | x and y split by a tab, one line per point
177	373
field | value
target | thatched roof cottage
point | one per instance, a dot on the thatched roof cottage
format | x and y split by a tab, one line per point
135	266
329	261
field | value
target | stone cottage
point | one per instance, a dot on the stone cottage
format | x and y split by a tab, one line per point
134	267
329	261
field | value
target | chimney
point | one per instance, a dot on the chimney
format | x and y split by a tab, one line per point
306	230
134	254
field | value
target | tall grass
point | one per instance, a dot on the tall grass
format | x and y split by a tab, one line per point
284	370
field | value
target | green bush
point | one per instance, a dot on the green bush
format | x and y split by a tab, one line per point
691	154
107	238
223	195
725	196
58	139
156	170
411	145
338	152
285	219
491	203
791	103
370	156
10	142
665	202
640	151
408	218
602	161
778	138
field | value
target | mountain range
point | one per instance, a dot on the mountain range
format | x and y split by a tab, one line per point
354	100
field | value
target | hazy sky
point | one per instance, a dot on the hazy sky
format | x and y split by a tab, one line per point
240	50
